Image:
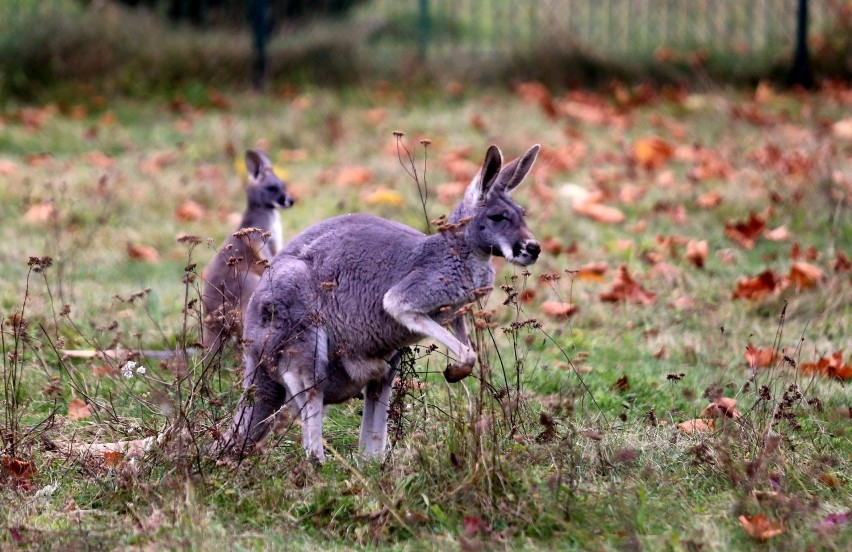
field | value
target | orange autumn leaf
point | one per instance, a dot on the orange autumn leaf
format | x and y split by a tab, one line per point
113	458
592	272
551	245
100	160
697	251
805	275
698	425
652	152
40	213
141	252
831	367
746	232
354	175
758	287
760	357
778	234
8	167
592	208
760	528
383	196
709	200
841	263
78	409
536	93
625	289
189	210
558	309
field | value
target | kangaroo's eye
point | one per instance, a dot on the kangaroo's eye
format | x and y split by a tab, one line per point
497	218
272	188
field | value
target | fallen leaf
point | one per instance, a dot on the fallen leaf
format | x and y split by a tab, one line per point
804	275
758	287
20	472
386	197
113	459
8	167
621	384
760	357
709	200
652	152
684	302
592	208
843	128
78	409
624	288
537	94
831	367
841	263
830	480
557	309
552	246
745	233
354	175
40	213
698	425
100	160
697	251
778	234
760	528
592	272
723	407
144	253
189	210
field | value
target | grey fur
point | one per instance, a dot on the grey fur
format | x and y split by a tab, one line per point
235	270
341	299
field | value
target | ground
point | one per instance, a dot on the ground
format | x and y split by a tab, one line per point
728	211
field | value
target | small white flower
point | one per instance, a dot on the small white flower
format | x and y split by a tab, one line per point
141	370
127	369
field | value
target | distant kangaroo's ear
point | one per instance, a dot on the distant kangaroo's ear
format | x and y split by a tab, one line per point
484	181
515	171
256	162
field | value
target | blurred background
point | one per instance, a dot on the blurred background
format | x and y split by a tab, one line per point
135	47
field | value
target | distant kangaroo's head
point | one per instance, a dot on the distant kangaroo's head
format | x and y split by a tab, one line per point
497	225
265	189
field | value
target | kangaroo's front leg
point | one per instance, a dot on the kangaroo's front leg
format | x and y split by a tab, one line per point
457	372
421	323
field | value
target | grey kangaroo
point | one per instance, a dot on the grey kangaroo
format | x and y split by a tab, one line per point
235	270
336	305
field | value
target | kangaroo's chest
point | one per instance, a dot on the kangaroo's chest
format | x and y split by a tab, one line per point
276	240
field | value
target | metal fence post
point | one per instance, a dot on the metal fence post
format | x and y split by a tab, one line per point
258	12
800	74
423	24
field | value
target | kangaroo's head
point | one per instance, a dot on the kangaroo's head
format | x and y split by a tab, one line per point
265	189
497	225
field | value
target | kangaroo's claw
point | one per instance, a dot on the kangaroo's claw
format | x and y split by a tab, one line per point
457	372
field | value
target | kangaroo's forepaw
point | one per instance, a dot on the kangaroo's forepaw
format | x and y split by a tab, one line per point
457	372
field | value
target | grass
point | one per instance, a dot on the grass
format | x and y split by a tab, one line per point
472	468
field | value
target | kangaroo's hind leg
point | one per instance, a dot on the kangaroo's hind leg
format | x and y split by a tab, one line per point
374	421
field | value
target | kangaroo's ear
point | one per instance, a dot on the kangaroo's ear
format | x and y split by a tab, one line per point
515	171
256	162
484	181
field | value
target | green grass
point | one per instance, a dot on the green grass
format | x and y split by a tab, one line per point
462	453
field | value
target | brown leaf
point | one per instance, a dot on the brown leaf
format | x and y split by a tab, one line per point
141	252
78	409
698	425
709	200
841	263
758	287
591	207
20	472
537	94
723	407
778	234
746	232
697	251
8	167
831	367
189	210
558	309
652	152
760	528
592	272
624	288
113	459
40	213
552	246
843	129
621	384
100	160
760	357
805	275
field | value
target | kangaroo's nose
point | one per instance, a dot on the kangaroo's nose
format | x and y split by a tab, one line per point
533	248
289	201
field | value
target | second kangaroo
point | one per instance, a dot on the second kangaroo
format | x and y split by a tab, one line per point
235	271
336	305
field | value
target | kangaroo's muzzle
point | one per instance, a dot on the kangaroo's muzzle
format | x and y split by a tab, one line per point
526	252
